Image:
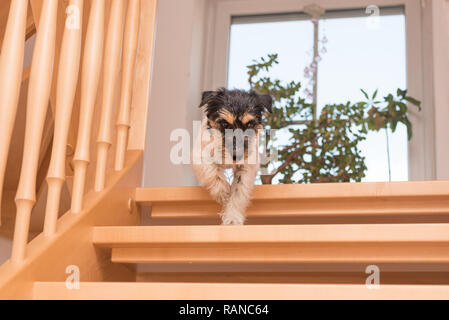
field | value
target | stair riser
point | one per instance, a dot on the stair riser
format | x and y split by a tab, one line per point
185	236
343	253
311	277
413	210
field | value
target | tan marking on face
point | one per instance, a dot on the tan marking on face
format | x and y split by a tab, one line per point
213	124
247	117
227	115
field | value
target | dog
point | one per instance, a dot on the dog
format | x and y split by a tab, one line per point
228	139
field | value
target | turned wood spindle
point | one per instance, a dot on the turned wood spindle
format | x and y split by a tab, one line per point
111	64
91	66
37	105
65	95
11	64
128	62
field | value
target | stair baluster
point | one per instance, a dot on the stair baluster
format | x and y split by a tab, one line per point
129	59
37	105
93	54
65	96
110	76
11	62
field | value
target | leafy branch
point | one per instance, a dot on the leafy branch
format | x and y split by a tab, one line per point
325	149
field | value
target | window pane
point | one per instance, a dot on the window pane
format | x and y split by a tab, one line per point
290	39
362	56
358	56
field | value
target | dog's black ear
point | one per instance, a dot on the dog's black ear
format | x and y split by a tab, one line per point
207	95
266	101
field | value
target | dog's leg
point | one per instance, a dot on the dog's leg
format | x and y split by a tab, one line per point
241	190
212	177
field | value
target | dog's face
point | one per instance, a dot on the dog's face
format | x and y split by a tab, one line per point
237	115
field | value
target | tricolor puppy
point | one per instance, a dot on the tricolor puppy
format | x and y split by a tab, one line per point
228	138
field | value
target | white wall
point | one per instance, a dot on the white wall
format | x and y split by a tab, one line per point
176	86
440	14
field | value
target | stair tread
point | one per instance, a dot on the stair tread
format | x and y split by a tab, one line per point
305	191
379	202
274	234
235	291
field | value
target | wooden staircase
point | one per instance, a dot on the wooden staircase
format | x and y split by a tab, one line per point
334	232
119	241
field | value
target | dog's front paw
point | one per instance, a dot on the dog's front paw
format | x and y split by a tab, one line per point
229	217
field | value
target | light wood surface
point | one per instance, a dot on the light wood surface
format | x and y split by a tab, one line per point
91	67
37	105
129	60
398	202
406	244
48	257
236	291
299	277
315	253
306	191
111	65
11	62
65	96
4	13
246	235
142	76
67	240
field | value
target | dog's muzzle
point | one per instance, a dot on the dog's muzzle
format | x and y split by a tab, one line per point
237	146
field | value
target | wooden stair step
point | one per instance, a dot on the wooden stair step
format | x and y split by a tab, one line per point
384	243
234	291
415	201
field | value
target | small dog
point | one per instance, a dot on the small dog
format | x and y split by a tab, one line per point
228	138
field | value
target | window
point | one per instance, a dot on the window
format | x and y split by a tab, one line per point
358	54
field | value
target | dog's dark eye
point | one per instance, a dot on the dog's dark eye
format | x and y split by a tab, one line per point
251	124
226	125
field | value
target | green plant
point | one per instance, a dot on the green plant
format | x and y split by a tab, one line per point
324	144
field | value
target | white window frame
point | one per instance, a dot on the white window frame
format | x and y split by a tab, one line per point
421	149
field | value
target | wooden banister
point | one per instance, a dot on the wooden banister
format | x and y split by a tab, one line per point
71	92
110	75
37	104
66	88
93	54
129	60
11	61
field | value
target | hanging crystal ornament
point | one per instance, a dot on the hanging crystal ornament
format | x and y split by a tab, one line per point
311	71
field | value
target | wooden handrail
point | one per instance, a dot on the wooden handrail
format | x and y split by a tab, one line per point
93	54
65	96
37	104
129	57
110	76
11	61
